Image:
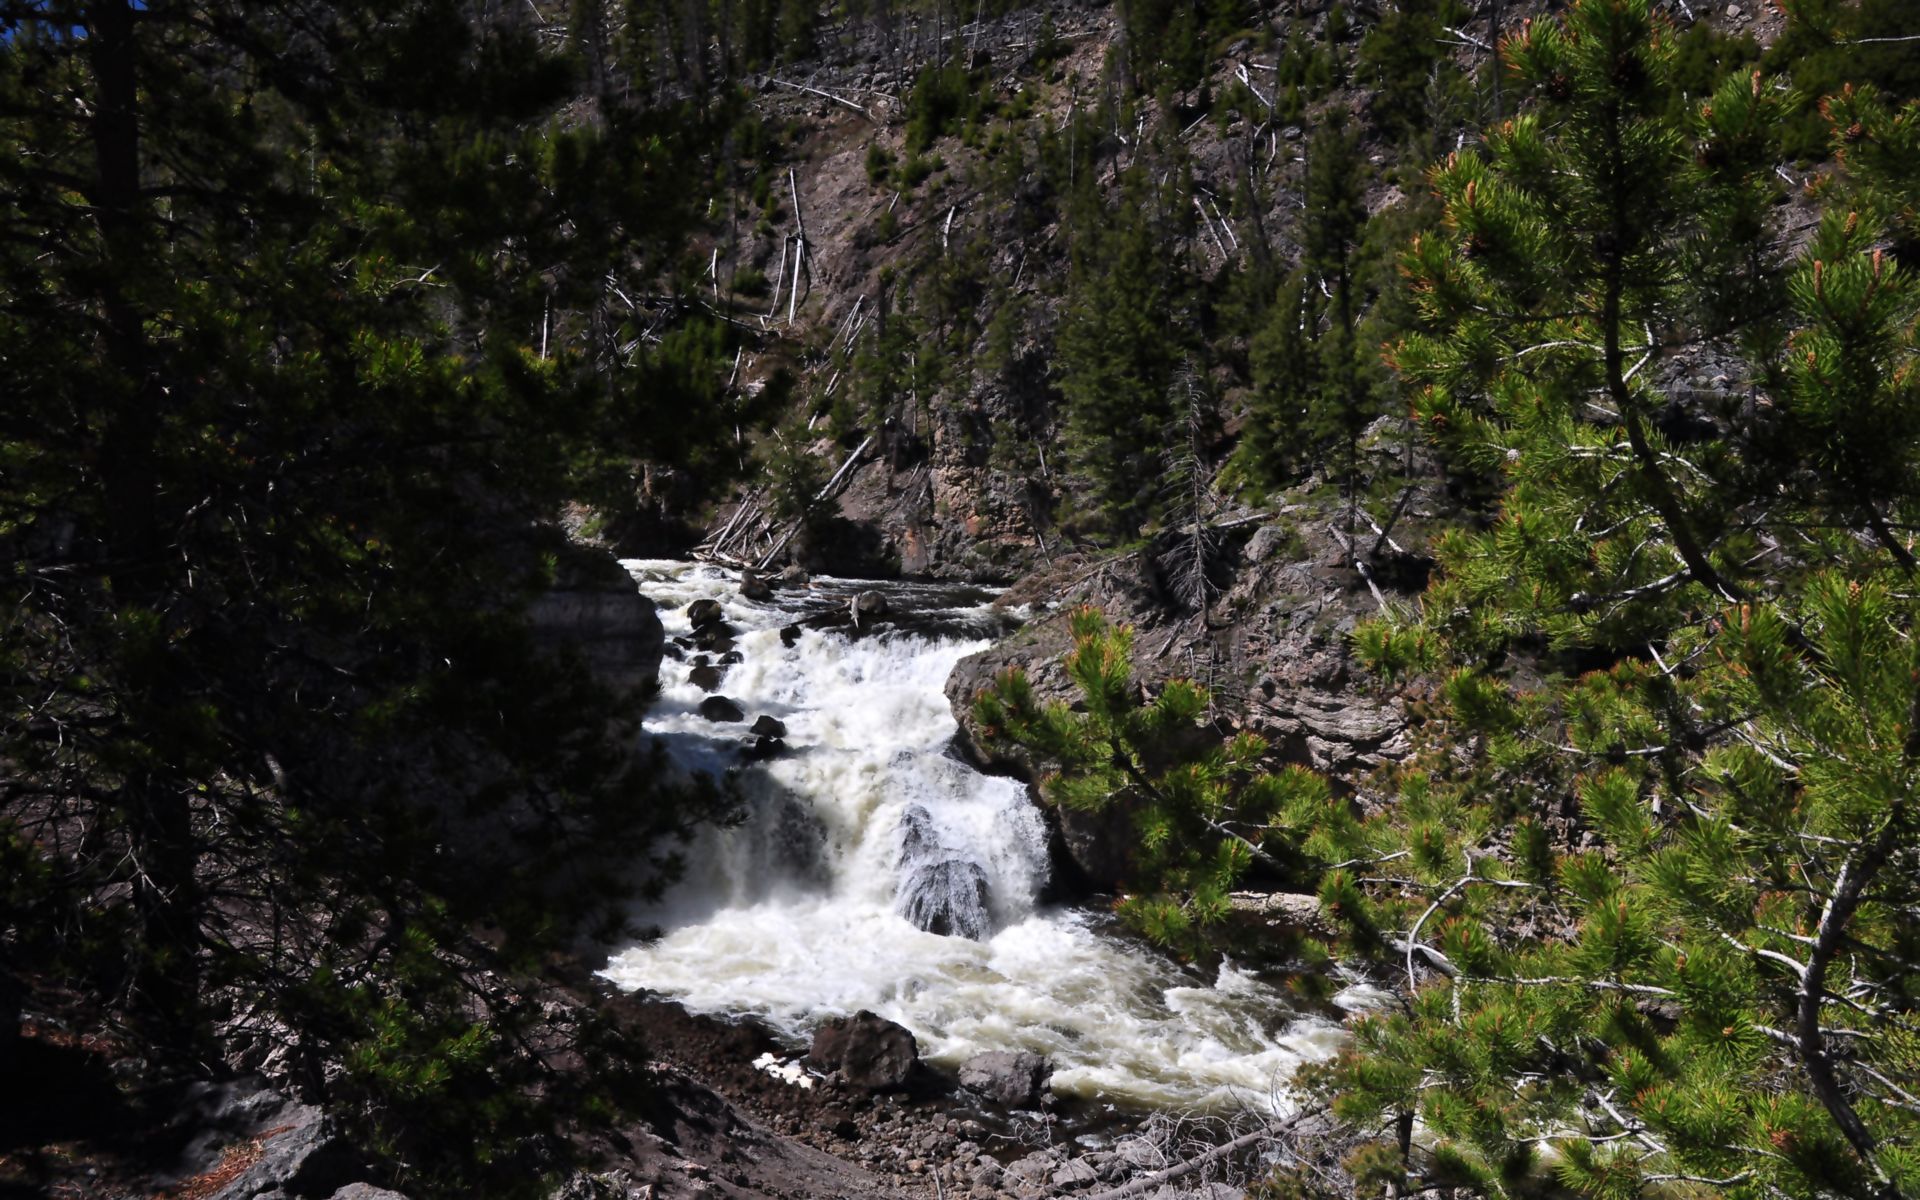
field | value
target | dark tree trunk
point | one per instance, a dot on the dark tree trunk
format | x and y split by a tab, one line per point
134	539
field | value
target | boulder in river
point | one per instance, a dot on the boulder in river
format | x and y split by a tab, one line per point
754	586
702	613
941	889
867	1050
706	678
719	708
1015	1078
869	604
947	897
763	748
793	577
789	635
769	726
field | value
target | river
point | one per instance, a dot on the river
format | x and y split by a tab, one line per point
802	910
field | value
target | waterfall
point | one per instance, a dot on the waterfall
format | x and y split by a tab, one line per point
873	869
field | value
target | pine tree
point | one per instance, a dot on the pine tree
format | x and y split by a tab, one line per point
1654	928
1127	320
1314	390
1202	807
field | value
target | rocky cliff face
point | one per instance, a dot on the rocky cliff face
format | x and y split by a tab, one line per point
1272	646
596	610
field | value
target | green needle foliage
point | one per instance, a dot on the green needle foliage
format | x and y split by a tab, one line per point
1654	913
1201	807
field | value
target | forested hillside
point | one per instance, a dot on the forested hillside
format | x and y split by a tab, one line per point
1460	455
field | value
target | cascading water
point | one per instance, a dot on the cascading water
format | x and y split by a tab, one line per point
875	870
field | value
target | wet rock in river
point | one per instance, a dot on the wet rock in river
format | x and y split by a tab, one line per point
754	586
719	708
941	889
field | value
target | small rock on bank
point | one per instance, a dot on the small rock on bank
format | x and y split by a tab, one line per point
1015	1078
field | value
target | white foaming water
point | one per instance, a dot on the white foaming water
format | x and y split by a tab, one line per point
801	911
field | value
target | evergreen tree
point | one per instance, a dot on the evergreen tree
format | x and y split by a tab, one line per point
1654	926
1128	317
1201	806
1313	389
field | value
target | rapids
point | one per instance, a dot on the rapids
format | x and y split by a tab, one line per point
803	910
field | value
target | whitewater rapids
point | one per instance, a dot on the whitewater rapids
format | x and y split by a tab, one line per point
797	913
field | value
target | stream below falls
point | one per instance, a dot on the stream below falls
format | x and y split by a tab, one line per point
869	832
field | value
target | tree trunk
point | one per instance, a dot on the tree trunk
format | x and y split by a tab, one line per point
134	539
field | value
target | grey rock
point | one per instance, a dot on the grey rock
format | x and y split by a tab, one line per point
1075	1173
706	678
1282	912
1099	844
1264	541
301	1155
1141	1154
792	577
719	708
1036	1168
942	890
1015	1078
869	604
867	1050
366	1191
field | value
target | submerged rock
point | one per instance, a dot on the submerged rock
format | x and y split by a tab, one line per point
1015	1078
789	634
867	1050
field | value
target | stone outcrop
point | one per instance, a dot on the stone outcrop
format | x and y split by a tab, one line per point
1273	648
606	619
1287	913
289	1150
